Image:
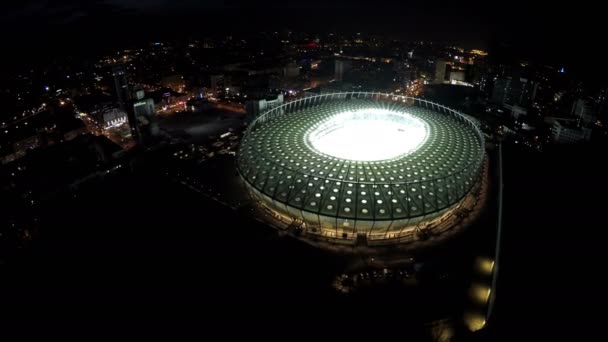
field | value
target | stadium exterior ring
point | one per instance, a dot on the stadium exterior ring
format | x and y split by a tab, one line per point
361	164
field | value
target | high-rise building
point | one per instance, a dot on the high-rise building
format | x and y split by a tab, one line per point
143	106
123	95
216	83
143	111
501	87
522	92
514	91
121	86
440	66
584	112
565	134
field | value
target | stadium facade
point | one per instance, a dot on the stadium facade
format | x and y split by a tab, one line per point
347	167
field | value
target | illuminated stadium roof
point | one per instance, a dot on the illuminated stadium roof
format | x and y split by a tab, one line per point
361	156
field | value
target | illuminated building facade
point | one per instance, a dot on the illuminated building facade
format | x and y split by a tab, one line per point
347	166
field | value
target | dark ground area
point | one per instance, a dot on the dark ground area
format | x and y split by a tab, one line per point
140	253
143	256
551	282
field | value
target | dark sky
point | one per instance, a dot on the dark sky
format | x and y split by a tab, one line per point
555	32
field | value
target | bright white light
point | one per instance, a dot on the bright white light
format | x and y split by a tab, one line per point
369	135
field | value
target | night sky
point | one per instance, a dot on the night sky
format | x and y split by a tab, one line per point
555	33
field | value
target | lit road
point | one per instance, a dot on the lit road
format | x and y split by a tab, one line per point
230	107
33	112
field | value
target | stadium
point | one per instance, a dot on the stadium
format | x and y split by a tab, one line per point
362	168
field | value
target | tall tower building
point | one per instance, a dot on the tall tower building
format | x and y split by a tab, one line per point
121	85
143	106
440	66
123	97
216	82
144	114
584	112
514	91
501	90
